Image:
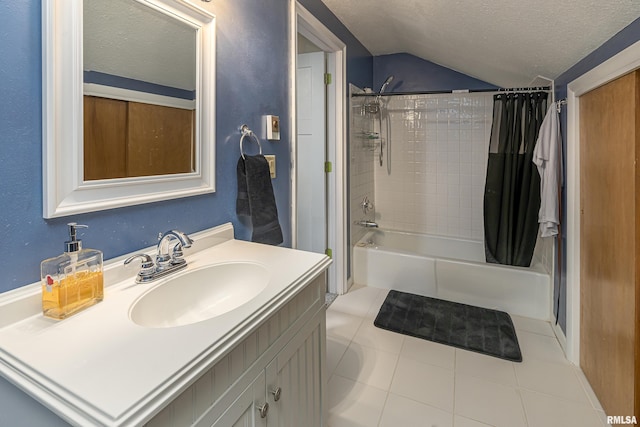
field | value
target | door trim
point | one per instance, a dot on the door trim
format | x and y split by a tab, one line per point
302	21
618	65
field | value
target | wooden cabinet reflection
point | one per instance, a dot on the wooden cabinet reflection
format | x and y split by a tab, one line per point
131	139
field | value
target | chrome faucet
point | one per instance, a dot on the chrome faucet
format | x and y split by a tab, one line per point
165	259
367	224
169	258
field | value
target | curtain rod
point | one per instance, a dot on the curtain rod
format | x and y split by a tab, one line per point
462	91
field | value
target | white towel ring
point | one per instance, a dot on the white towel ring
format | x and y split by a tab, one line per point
244	129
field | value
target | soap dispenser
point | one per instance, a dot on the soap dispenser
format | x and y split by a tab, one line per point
72	281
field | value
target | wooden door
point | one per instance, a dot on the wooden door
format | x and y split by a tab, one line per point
160	140
131	139
609	242
105	136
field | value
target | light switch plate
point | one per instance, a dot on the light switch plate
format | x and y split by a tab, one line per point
271	159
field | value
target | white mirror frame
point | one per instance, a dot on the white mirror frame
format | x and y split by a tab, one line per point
64	190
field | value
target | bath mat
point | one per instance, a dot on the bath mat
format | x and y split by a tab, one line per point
482	330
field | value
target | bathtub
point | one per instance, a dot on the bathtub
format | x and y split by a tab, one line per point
450	269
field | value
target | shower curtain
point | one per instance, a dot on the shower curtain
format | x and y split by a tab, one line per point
512	189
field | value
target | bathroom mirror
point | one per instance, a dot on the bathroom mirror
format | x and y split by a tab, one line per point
96	66
139	72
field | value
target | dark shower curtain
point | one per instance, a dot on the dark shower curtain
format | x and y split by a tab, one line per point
512	189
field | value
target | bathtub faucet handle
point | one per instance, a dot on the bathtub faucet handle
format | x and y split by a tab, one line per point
366	205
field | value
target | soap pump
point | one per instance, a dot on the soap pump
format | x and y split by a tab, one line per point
72	281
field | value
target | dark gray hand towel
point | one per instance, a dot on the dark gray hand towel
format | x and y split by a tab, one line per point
256	199
242	200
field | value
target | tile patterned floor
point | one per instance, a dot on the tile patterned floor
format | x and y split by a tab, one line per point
380	378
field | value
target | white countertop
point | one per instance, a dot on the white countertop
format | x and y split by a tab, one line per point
100	367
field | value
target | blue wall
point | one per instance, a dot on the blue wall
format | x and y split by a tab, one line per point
359	60
625	38
112	80
252	80
413	74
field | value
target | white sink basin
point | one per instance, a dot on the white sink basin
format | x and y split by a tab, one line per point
200	294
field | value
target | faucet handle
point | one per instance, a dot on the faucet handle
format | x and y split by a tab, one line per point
366	205
147	268
177	255
169	256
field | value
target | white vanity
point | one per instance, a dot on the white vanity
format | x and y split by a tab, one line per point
148	356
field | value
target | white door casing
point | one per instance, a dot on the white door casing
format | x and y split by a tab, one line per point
309	26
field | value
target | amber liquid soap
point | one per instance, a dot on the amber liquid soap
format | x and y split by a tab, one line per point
72	294
72	281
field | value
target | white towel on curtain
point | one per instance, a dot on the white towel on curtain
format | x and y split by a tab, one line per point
547	156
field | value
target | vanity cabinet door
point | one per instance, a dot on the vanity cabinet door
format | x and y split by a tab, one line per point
295	379
244	411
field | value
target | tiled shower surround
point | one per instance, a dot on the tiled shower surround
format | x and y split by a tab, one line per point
439	146
438	163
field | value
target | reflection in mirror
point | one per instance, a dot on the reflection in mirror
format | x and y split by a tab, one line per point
139	91
147	73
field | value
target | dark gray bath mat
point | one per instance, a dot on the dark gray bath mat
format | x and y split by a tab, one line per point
464	326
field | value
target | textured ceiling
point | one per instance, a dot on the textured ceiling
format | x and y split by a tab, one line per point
504	42
129	39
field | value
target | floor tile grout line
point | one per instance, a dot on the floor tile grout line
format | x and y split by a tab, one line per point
524	409
492	381
556	397
534	332
573	368
360	382
351	341
339	360
577	371
518	387
453	414
369	347
354	334
384	405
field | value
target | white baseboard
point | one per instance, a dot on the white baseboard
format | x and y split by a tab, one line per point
350	283
560	336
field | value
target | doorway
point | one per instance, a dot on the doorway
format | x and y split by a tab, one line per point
311	215
318	150
608	241
617	66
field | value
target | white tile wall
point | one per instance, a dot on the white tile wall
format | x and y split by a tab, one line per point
439	161
438	158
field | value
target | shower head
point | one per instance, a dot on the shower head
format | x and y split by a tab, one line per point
373	107
386	83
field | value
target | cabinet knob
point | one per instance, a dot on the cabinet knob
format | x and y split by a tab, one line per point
263	410
276	393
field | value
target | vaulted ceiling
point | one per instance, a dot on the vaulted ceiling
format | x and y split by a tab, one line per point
504	42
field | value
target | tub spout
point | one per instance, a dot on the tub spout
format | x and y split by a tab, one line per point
367	224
